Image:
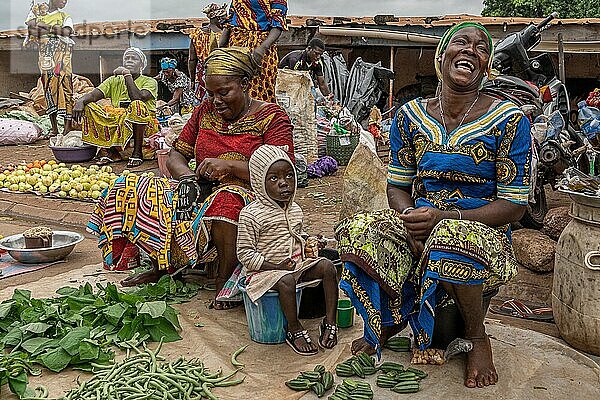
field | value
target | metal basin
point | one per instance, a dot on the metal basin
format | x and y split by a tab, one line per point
583	198
63	243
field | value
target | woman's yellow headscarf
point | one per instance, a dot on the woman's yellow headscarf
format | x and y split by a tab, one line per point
443	44
231	61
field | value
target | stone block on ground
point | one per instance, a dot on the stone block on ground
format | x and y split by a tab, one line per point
555	221
534	250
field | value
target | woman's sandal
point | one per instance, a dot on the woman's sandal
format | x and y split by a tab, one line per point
290	339
332	336
134	162
224	305
104	161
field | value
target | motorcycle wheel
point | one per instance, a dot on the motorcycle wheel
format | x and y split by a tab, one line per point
535	214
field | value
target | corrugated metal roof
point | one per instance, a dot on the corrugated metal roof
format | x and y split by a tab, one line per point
143	27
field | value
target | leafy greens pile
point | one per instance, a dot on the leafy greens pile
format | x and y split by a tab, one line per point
79	327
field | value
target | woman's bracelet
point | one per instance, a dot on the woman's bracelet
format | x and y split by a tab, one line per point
407	210
459	213
125	75
187	177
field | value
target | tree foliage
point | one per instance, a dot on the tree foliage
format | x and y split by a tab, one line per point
541	8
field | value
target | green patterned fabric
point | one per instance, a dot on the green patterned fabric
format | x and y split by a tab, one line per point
377	243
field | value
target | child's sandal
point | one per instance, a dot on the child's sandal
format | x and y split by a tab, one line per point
331	337
290	339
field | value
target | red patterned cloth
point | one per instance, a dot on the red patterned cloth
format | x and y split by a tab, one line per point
207	135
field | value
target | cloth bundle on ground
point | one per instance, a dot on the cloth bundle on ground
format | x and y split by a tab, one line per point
14	132
42	122
364	186
324	166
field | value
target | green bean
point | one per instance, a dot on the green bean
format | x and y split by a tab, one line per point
145	377
102	366
171	369
153	360
220	379
137	396
234	360
127	364
171	381
163	389
230	383
207	392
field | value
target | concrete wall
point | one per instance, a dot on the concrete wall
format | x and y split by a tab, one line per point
18	71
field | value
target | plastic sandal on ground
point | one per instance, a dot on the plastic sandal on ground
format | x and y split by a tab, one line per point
520	309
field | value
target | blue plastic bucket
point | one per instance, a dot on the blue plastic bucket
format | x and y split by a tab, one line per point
266	321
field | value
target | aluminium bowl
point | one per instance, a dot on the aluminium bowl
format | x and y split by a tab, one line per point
63	243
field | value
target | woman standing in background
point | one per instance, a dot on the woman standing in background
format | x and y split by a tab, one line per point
257	24
52	28
202	42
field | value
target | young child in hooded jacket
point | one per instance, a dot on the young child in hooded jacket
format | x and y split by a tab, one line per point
273	252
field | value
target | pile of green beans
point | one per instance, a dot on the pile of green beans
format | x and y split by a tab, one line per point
147	375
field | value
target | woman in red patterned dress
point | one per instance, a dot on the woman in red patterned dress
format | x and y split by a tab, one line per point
177	227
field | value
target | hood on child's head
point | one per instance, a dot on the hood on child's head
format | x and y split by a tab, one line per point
261	160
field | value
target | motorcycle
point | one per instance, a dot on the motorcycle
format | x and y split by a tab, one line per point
532	83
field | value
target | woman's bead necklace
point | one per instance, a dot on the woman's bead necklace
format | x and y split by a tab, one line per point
464	116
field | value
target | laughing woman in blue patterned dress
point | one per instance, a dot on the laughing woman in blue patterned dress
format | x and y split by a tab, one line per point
459	175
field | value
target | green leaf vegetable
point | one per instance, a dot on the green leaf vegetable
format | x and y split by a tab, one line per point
79	327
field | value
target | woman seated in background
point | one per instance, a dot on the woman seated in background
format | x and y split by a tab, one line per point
459	175
179	85
184	225
132	114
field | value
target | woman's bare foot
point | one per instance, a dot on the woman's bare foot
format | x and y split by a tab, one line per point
480	370
150	276
360	344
